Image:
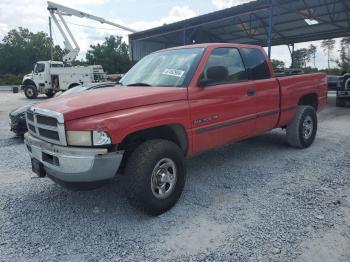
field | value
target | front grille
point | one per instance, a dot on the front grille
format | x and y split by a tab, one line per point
46	125
44	120
49	134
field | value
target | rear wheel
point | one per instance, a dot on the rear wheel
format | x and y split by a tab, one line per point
301	132
155	174
30	92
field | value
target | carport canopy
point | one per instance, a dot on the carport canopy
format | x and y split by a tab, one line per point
260	22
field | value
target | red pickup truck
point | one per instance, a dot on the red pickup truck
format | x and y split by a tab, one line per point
173	104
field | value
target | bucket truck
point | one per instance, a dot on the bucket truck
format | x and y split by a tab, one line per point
49	77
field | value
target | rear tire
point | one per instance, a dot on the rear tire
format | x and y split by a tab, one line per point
30	92
301	132
155	176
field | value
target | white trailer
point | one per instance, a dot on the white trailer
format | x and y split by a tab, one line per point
50	77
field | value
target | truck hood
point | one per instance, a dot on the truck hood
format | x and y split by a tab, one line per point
105	100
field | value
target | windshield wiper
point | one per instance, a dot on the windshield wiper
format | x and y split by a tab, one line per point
139	84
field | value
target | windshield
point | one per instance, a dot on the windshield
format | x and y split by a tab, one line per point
39	68
172	68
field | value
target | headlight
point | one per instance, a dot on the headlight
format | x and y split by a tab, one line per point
88	138
79	138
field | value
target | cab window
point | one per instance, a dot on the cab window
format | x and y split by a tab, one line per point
224	66
39	68
256	63
56	65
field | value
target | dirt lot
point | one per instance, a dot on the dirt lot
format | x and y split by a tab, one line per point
257	200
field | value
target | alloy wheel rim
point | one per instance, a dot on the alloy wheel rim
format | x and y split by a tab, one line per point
164	178
308	127
29	92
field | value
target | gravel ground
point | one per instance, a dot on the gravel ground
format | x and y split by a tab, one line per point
256	200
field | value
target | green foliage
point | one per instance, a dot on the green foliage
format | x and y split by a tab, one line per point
344	61
277	63
328	46
313	51
11	79
301	57
20	49
333	71
308	70
112	54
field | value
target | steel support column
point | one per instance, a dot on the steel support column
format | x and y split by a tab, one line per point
184	36
269	36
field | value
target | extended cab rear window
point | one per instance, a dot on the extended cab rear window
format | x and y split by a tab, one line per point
255	63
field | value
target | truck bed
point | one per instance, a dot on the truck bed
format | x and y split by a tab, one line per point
296	86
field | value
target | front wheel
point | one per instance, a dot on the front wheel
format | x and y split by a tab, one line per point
155	174
301	132
30	92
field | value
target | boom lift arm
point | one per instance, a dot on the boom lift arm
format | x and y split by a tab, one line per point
60	10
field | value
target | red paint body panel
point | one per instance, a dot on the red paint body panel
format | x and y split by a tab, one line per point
211	116
294	87
104	100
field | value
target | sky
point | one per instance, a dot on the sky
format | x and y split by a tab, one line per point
136	14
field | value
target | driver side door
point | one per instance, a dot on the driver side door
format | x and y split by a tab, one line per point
223	109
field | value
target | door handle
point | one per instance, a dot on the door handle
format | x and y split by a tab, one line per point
251	92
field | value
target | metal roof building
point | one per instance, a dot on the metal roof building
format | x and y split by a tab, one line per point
261	22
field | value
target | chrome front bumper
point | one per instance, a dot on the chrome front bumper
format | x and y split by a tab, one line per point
74	164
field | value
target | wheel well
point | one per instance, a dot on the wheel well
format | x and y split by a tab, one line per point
28	82
309	100
175	133
73	85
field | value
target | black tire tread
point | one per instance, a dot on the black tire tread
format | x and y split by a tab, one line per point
137	182
293	129
35	92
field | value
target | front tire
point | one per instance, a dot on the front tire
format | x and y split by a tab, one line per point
30	92
155	174
301	132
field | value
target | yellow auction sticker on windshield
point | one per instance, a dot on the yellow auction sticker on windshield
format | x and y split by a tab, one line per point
173	72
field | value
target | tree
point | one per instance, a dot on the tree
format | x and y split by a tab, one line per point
328	46
312	51
20	49
277	63
112	54
301	57
344	61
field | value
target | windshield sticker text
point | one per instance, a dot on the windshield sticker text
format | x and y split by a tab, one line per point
173	72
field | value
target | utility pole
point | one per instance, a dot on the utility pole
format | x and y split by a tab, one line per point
51	41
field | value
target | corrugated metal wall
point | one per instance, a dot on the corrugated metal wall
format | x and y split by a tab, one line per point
141	48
